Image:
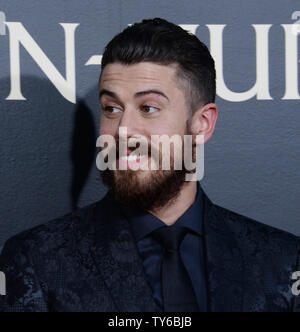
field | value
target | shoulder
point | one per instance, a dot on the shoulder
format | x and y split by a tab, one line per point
251	231
60	234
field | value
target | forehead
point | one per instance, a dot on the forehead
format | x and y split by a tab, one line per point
142	73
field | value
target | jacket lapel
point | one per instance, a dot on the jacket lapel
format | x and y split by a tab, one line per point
224	260
118	261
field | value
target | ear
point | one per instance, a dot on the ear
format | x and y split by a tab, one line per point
203	122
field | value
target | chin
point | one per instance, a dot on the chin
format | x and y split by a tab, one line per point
144	177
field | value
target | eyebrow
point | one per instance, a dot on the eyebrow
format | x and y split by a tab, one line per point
152	91
136	95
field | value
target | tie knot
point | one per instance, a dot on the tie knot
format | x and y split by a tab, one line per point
170	237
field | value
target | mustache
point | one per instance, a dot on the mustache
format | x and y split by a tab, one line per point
141	147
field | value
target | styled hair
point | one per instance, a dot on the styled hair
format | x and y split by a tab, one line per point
159	41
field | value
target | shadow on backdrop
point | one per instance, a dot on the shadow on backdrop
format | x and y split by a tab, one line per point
38	179
83	150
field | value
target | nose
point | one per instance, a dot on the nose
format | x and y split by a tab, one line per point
132	123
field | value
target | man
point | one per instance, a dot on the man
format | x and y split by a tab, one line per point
155	242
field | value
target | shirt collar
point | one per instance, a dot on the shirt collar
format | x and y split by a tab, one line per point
143	223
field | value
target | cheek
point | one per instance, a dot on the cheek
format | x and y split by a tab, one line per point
174	120
108	127
169	127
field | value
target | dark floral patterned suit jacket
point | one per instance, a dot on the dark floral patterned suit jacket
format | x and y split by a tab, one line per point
88	261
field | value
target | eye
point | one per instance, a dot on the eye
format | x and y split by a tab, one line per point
149	109
111	110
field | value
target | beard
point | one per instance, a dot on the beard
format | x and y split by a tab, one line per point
145	189
146	192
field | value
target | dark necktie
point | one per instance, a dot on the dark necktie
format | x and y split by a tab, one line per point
178	292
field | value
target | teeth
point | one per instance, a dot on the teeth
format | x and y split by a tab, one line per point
131	158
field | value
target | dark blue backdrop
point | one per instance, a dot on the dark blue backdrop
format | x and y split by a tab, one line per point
47	143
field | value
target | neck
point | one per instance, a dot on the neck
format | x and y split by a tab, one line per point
177	207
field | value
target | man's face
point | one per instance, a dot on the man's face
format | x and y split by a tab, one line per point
146	99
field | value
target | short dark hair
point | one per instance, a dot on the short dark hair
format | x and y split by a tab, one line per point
159	41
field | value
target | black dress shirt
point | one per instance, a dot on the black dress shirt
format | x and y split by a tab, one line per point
143	224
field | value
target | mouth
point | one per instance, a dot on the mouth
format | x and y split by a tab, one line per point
132	161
